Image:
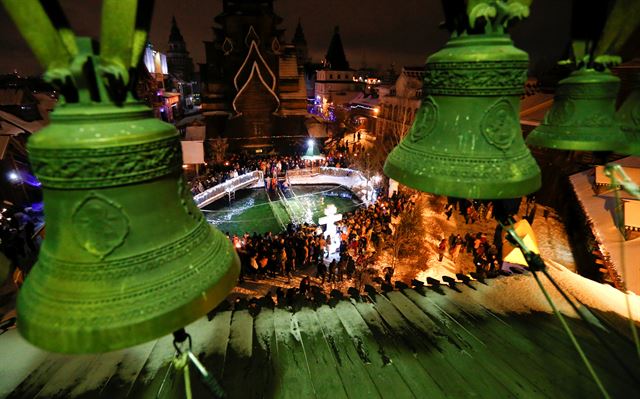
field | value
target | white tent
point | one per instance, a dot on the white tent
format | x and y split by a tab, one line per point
513	255
192	152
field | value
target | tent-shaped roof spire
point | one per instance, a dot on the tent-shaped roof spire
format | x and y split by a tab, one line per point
298	36
335	58
175	35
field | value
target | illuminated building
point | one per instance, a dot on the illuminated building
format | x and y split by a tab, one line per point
253	84
399	103
165	104
180	68
335	81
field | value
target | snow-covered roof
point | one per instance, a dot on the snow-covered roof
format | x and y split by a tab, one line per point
598	209
366	100
487	339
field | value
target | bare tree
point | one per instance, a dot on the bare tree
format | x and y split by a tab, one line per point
395	128
217	149
410	231
399	124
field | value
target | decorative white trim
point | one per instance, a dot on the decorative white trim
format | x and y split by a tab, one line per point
227	40
246	38
254	69
275	45
254	47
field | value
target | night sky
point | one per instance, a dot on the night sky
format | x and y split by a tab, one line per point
374	32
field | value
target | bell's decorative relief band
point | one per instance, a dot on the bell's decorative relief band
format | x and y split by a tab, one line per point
635	114
99	225
105	167
138	303
425	120
153	298
499	124
186	200
469	168
590	91
127	266
598	120
476	78
561	114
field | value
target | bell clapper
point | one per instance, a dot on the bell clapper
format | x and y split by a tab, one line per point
182	343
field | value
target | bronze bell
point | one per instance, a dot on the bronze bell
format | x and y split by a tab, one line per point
128	256
466	140
629	118
582	117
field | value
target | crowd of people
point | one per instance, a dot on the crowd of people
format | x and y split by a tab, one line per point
471	211
19	241
485	254
329	259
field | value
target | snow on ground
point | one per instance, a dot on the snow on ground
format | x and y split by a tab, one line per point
599	210
550	232
518	293
595	295
552	238
19	359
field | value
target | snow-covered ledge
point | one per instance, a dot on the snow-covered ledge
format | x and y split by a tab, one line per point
352	179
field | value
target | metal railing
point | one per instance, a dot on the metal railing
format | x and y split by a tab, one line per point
225	189
325	170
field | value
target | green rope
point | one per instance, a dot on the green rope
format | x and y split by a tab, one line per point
181	362
591	328
573	338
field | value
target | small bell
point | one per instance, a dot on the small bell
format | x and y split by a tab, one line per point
466	140
629	118
582	117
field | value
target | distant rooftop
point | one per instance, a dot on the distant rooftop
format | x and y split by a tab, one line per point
335	57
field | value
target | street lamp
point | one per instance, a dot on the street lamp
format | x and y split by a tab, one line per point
13	176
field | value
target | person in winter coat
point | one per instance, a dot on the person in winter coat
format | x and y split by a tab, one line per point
442	247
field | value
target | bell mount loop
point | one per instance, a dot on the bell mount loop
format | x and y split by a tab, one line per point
125	26
481	16
180	338
53	50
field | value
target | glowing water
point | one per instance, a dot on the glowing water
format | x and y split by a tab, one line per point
250	211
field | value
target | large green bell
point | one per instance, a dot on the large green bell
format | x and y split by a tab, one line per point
466	140
629	118
128	256
582	117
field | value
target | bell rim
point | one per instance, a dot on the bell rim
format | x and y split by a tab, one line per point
541	137
124	336
485	38
436	184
